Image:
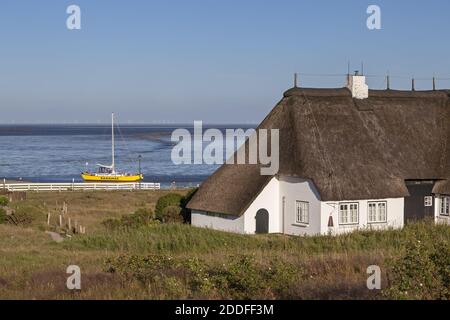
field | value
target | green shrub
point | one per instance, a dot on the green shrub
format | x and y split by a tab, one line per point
241	278
441	259
185	212
420	273
245	278
4	201
3	216
141	217
112	223
169	200
144	269
172	214
26	215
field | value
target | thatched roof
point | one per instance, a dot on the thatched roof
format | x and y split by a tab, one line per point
351	149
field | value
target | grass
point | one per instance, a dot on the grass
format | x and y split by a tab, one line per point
88	208
170	261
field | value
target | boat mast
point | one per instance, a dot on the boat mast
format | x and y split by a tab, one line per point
112	142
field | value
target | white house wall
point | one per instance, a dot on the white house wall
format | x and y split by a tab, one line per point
438	218
267	199
395	216
294	189
218	222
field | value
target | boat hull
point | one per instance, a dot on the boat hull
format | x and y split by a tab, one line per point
111	178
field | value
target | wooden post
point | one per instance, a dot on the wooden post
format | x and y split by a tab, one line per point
60	220
64	209
48	218
434	83
70	224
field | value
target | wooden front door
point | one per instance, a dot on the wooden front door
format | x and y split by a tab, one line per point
262	221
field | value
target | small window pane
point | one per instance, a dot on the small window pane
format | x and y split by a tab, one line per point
372	212
444	206
377	212
302	212
348	213
382	211
428	201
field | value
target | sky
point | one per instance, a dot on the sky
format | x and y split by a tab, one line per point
221	61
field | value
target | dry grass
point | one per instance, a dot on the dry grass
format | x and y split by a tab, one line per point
90	208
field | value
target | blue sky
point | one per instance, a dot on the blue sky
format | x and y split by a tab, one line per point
216	61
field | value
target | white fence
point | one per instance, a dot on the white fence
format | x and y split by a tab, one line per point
79	186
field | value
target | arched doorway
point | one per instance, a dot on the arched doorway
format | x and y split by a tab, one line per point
262	221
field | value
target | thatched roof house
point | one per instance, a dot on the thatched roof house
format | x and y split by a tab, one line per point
347	148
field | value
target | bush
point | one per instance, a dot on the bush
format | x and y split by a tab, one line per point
144	269
112	223
4	201
26	215
169	200
421	273
172	214
185	212
241	278
441	259
244	278
141	217
3	216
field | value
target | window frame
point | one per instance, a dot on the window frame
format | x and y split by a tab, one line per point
444	205
428	201
348	204
377	212
298	204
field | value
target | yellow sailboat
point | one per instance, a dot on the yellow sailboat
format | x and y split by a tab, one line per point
108	173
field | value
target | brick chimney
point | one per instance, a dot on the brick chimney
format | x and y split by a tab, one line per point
357	85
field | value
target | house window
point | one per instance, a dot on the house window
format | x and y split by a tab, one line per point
428	201
377	212
444	206
348	213
302	212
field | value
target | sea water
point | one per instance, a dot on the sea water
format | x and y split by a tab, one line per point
59	153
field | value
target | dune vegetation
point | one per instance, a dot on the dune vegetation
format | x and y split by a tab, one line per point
130	252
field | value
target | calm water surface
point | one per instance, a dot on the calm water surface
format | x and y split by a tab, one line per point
59	153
